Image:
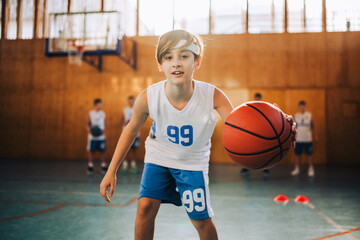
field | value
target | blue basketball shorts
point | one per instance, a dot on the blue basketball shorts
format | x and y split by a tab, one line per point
136	143
179	187
97	145
303	146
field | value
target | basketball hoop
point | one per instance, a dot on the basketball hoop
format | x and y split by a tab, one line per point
75	52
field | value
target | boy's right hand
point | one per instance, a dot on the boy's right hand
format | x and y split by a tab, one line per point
109	180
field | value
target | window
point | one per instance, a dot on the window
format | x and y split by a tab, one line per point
27	21
41	18
127	9
56	6
313	15
155	17
228	18
192	15
304	15
12	26
266	16
296	15
342	15
85	5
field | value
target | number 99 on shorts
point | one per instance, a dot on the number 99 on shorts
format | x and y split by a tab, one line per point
194	200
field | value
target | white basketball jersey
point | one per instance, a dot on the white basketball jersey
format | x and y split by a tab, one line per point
181	139
303	123
128	112
97	118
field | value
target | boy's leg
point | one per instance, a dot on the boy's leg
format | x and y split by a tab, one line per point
206	229
296	170
297	151
90	168
311	171
90	158
193	186
147	209
309	152
102	158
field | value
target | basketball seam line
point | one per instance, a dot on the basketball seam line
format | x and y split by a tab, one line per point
265	151
264	165
256	135
272	126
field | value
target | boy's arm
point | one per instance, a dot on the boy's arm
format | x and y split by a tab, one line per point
314	129
222	104
127	137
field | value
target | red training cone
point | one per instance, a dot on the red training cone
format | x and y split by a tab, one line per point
302	199
281	198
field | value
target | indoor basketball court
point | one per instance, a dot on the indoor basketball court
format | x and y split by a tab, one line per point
66	64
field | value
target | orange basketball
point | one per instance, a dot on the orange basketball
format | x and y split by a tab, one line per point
257	135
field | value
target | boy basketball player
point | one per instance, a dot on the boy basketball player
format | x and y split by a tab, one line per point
128	112
178	147
304	141
96	117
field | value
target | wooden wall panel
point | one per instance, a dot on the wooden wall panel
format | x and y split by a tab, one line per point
343	128
44	101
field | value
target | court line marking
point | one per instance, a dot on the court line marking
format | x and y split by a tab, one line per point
61	192
119	194
34	214
329	220
338	234
61	205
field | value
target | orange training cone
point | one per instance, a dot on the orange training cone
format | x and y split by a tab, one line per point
302	199
281	198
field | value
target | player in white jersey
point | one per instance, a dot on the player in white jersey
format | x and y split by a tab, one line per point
128	112
304	142
178	147
96	135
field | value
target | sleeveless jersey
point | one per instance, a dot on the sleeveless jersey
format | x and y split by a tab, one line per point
97	119
303	123
181	139
128	112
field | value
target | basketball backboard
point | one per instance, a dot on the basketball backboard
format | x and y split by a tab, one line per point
85	35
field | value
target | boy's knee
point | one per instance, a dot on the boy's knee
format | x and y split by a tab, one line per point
146	207
202	224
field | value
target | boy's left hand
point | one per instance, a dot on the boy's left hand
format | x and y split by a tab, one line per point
292	122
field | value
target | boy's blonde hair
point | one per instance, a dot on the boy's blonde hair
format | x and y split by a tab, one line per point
169	40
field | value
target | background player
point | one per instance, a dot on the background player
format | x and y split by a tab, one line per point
128	112
245	171
96	117
305	127
177	154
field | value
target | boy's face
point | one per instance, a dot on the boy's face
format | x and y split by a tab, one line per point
302	108
131	102
98	106
257	98
179	65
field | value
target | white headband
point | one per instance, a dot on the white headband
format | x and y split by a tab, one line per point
192	47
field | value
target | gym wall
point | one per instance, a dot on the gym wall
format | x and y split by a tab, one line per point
45	101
